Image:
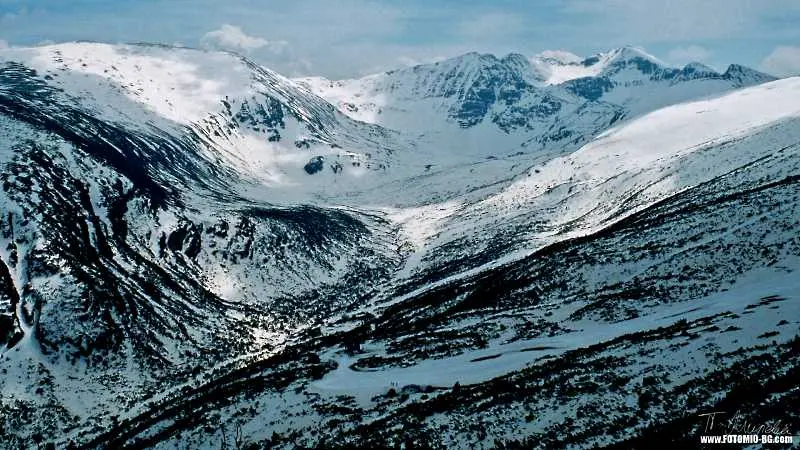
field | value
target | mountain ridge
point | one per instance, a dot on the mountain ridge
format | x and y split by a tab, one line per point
193	253
465	76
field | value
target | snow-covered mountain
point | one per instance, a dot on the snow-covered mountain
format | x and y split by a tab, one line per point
221	112
198	252
530	94
515	110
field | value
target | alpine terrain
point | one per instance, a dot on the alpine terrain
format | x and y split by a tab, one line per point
483	252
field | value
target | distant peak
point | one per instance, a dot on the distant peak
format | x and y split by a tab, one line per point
517	62
558	57
467	58
476	55
629	52
746	76
698	68
738	68
473	59
515	57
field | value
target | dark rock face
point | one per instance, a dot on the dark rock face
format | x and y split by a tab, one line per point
744	76
694	73
590	88
492	81
314	165
590	61
10	331
475	106
518	116
186	238
265	117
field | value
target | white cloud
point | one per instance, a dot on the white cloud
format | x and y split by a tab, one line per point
3	44
230	37
277	55
784	61
683	55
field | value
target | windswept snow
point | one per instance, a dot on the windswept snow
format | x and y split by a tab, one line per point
126	82
659	139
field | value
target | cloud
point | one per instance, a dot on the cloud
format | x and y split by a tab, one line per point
277	55
3	44
784	61
230	37
683	55
9	17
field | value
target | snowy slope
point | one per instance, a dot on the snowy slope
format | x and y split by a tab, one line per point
140	226
233	119
659	280
235	114
196	251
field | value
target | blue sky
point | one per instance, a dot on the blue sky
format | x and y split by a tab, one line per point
345	38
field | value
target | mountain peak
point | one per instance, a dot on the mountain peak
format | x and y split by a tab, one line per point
470	59
629	52
745	76
698	67
740	69
515	58
561	57
475	56
558	66
624	59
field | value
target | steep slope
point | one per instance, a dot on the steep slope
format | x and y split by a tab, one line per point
651	277
602	182
224	112
143	243
196	251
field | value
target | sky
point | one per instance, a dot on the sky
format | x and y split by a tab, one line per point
351	38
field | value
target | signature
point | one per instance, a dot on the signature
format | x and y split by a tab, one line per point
739	424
